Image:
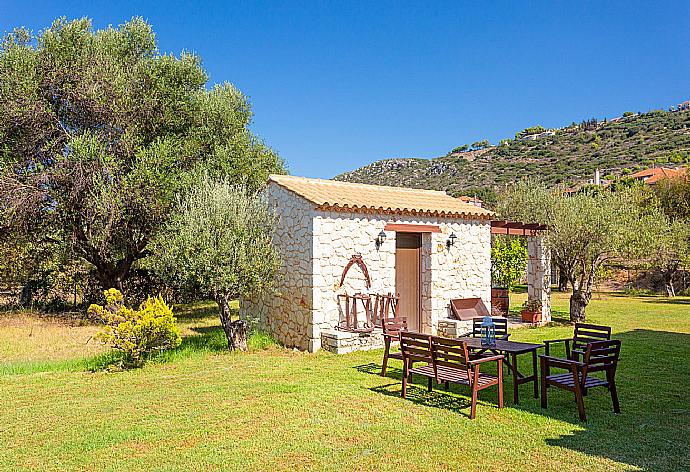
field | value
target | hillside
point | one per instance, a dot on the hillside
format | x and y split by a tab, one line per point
564	156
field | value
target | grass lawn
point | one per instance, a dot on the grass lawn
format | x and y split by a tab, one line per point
202	408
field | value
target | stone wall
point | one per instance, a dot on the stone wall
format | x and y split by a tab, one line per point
463	271
286	312
315	246
539	275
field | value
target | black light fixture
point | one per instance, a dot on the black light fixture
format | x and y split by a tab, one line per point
380	239
451	240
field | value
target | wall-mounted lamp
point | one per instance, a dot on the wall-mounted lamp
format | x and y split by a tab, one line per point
380	239
451	240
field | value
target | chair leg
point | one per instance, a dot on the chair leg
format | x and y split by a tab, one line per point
403	393
500	384
447	385
578	395
544	373
428	384
387	346
473	410
614	394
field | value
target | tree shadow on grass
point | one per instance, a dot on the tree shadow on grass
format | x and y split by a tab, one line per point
652	430
652	379
670	301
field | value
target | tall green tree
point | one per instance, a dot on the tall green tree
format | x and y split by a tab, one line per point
218	241
584	231
674	195
99	131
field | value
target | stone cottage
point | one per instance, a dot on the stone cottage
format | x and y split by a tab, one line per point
338	238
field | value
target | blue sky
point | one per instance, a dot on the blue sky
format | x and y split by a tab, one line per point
337	85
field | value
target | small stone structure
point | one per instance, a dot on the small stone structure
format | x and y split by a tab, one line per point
321	224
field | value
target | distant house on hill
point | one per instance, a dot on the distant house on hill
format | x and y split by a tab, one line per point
653	175
684	106
476	201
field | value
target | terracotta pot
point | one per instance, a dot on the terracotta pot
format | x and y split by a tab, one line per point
500	300
531	316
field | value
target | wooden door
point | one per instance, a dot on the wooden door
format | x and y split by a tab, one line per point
408	259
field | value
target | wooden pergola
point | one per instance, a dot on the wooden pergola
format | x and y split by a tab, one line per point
515	228
538	260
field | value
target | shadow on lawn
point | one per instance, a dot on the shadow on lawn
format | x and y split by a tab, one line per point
671	301
652	430
417	391
653	379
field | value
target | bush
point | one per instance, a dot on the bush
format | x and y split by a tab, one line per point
508	261
136	332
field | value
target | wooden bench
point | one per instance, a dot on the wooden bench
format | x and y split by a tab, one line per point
447	360
598	356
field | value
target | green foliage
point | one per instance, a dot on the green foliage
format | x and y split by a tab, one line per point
584	230
463	148
136	332
566	158
532	305
100	131
481	144
508	261
674	195
527	131
218	240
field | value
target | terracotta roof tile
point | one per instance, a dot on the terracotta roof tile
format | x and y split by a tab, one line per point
652	176
345	196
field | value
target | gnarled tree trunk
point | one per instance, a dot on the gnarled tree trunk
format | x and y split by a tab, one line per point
235	331
578	303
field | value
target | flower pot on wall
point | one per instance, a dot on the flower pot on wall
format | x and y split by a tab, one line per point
500	300
531	316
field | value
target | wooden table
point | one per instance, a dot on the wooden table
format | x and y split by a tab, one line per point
511	349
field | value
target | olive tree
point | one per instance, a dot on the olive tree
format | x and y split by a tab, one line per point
218	240
585	230
99	131
669	250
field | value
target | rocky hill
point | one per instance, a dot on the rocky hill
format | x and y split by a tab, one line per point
563	156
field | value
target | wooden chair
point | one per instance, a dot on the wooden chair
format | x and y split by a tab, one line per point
584	334
599	356
501	328
447	360
392	327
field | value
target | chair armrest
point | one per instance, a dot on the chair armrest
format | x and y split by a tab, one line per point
559	362
481	360
549	341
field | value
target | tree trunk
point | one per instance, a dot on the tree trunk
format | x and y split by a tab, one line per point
578	303
235	331
562	282
668	282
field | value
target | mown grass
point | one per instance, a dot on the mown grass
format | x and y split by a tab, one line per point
203	408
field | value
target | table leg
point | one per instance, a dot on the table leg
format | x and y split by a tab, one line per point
516	379
534	372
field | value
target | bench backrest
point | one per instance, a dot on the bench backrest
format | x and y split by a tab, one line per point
450	353
588	333
601	356
393	326
415	347
501	327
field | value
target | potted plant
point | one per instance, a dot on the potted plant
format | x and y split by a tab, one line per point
508	262
531	311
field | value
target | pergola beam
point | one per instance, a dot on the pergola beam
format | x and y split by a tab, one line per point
515	228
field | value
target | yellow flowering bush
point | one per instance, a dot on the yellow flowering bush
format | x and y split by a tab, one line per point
136	332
